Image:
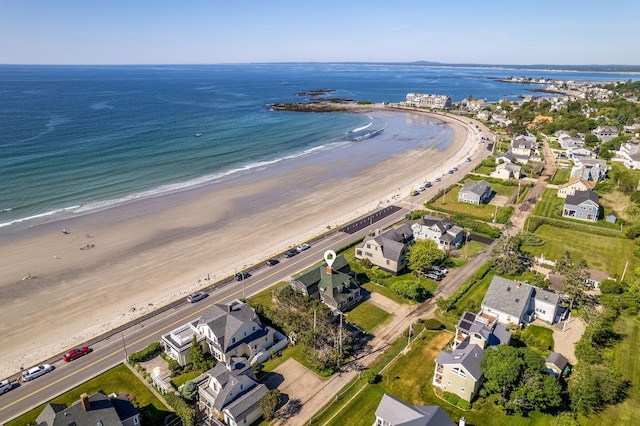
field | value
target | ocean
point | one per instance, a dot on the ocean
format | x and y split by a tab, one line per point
77	139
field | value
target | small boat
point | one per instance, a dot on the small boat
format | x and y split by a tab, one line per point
198	135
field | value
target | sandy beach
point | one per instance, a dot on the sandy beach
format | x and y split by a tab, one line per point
120	263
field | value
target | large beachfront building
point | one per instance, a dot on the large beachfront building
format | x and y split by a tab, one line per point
225	331
428	100
387	250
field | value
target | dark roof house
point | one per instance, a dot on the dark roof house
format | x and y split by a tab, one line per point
582	205
393	412
387	250
476	192
96	409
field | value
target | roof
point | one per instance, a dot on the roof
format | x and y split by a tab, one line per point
337	285
398	413
228	379
556	282
581	197
393	241
478	187
246	402
466	355
508	296
596	275
102	410
227	319
587	183
557	359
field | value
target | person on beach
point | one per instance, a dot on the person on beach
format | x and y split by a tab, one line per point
65	232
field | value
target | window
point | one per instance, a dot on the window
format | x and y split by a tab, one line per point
135	420
462	390
459	372
368	246
388	262
233	340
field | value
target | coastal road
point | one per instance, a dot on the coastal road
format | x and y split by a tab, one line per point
111	350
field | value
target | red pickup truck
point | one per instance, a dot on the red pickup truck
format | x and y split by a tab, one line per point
75	353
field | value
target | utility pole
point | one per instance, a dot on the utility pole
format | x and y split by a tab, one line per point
466	244
124	347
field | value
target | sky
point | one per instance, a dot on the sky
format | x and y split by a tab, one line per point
562	32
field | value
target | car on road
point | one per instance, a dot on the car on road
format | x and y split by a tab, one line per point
450	172
303	247
438	179
35	372
196	297
75	353
455	169
428	184
468	159
272	262
5	386
242	276
290	253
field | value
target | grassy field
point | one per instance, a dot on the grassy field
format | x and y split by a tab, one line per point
605	253
538	338
367	316
482	211
118	379
626	360
484	170
561	176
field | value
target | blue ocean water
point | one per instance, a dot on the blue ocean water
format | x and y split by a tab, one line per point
79	138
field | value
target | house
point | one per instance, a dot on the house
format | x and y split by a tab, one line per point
582	205
484	115
428	100
579	153
523	145
575	184
231	393
506	171
595	278
95	409
630	152
556	364
567	141
515	302
590	169
442	231
459	371
476	192
387	250
335	286
393	412
224	331
473	104
606	133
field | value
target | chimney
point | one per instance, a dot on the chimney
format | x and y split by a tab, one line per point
518	284
329	270
229	307
84	400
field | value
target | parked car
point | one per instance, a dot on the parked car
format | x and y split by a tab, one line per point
272	262
303	247
34	372
290	253
440	269
196	297
450	172
433	276
75	353
242	276
438	179
455	169
5	386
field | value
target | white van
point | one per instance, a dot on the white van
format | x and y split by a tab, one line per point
5	386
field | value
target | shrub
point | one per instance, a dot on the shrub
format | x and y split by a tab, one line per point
452	398
186	413
371	377
465	405
145	353
432	324
409	289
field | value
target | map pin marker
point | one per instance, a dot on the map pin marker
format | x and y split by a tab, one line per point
329	257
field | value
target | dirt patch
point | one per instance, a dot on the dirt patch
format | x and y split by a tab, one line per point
499	200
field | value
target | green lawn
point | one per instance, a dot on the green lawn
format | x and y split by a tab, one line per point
605	253
118	379
367	316
472	299
184	378
561	176
482	211
484	170
373	287
626	361
538	338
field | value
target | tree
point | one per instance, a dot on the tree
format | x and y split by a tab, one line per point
592	387
196	354
269	404
507	257
190	391
518	376
424	254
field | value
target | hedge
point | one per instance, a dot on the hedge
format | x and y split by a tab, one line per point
145	353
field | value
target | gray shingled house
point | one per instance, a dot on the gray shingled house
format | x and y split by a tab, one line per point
230	392
582	205
96	409
223	330
442	231
393	412
475	192
459	371
336	287
519	303
387	250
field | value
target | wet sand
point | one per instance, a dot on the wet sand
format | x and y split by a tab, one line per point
123	262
